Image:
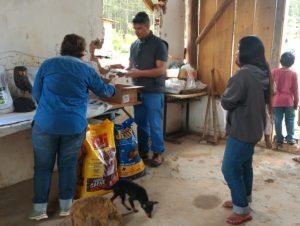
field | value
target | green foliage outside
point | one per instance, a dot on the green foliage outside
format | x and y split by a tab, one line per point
122	42
293	25
122	12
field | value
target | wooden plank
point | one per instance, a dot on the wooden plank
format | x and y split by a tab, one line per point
224	4
243	25
206	47
117	105
215	51
149	4
192	32
223	43
186	96
264	21
278	30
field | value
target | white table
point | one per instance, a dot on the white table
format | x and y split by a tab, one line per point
16	122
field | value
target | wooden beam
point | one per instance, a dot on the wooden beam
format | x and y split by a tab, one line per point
192	32
149	4
278	30
213	20
263	24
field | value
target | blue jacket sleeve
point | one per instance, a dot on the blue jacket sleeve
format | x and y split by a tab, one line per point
101	89
38	85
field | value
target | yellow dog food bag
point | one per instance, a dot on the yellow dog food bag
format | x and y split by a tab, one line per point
97	163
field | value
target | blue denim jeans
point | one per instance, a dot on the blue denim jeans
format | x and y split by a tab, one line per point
238	173
148	117
47	147
289	115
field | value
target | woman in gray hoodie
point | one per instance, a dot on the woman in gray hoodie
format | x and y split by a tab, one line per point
245	99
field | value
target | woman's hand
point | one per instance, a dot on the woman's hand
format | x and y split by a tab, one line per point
95	44
116	66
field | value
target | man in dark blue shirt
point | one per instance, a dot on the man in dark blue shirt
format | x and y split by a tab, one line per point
148	63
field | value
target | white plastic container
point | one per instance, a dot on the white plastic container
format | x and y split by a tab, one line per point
6	102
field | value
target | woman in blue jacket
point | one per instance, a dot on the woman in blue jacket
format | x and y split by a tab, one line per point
61	89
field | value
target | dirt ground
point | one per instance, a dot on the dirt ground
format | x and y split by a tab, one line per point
190	189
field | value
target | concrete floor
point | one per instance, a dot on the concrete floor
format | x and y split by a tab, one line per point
190	189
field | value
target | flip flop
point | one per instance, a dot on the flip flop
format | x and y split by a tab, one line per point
296	159
228	204
235	219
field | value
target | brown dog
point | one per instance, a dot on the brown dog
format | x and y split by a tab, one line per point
96	208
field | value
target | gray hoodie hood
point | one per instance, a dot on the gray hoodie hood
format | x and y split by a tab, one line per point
261	76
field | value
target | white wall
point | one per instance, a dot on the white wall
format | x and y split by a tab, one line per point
173	32
108	31
197	116
37	27
32	30
173	28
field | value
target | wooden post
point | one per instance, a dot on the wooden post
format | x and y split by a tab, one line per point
214	107
204	134
214	19
211	106
192	31
278	29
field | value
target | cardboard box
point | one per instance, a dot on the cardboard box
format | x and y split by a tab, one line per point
125	94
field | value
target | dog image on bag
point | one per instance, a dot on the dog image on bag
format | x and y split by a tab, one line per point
133	155
135	192
109	158
94	208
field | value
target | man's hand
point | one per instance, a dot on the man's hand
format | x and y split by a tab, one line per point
133	73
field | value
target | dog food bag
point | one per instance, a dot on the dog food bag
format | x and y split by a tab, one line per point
97	163
130	164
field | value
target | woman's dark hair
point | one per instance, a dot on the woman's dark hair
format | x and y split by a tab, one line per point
287	59
141	18
73	45
252	51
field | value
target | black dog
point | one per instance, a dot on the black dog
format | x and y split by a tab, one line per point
135	192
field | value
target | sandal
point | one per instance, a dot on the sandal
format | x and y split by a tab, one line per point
228	204
236	219
157	160
296	159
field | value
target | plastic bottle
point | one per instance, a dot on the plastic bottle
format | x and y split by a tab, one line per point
6	102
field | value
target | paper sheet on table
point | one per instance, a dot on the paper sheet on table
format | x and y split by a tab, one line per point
10	119
95	108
